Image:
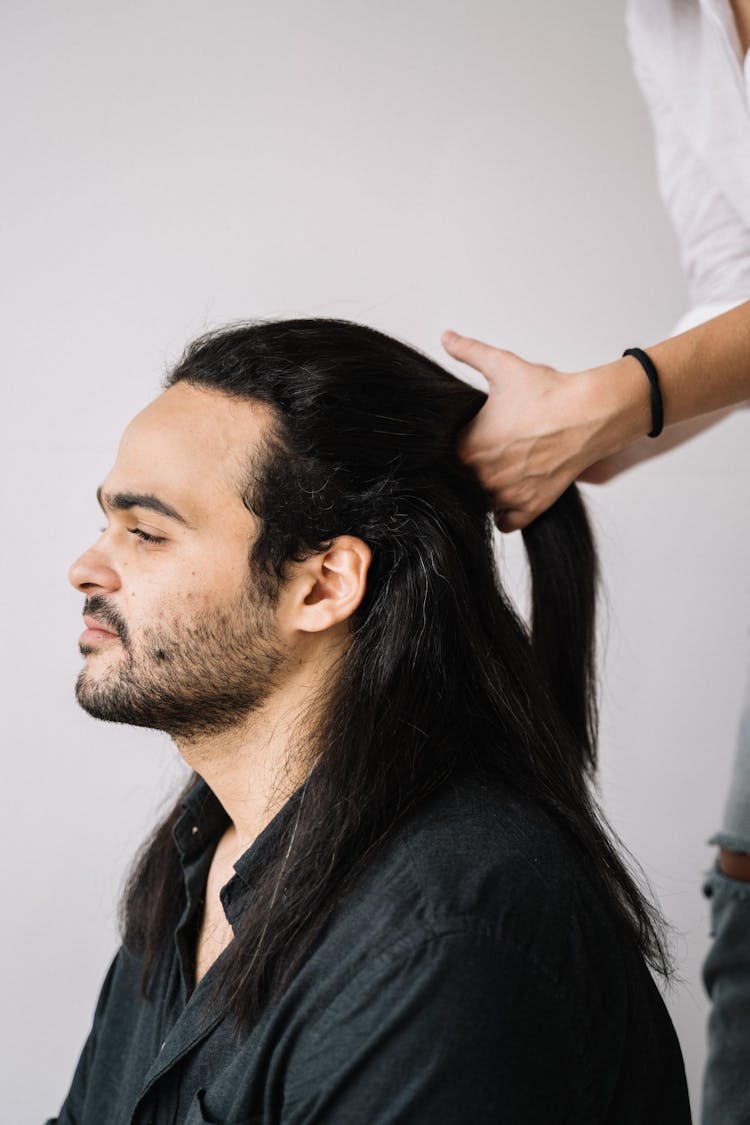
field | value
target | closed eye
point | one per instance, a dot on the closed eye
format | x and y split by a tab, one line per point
142	535
145	537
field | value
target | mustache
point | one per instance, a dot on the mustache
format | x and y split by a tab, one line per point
99	608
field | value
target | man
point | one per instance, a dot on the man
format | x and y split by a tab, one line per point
386	893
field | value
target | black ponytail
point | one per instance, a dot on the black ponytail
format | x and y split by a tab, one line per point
564	574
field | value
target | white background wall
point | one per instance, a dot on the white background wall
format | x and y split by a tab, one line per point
414	164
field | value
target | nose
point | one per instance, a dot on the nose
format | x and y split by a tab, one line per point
93	573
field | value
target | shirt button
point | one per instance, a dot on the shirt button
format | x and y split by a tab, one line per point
194	829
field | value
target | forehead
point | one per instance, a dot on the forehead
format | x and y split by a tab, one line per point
191	446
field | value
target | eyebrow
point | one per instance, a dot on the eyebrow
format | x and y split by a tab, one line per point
124	501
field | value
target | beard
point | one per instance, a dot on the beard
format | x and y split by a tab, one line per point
198	679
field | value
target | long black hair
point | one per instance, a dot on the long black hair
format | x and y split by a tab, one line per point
441	674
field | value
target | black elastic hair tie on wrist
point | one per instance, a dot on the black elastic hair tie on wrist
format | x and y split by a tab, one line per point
657	406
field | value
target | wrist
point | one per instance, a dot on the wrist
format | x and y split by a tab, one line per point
735	865
618	405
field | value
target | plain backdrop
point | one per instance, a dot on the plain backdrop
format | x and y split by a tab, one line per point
411	164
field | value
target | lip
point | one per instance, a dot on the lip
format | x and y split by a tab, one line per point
95	633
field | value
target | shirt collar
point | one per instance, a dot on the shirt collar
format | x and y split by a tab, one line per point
203	819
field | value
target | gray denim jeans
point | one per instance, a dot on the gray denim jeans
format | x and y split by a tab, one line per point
726	971
726	975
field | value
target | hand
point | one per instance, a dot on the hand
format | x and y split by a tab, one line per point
534	436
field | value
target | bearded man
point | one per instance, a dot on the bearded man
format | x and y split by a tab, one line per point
386	893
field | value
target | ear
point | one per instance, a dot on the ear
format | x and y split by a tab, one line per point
327	588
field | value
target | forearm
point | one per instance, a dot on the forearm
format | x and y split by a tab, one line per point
700	371
646	449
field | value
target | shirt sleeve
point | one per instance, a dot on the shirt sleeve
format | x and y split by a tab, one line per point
73	1106
457	1028
712	234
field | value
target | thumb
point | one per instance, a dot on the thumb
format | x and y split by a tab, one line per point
493	363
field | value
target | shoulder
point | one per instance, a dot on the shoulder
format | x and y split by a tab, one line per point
473	839
477	863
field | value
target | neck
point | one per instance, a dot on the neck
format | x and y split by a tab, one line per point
254	767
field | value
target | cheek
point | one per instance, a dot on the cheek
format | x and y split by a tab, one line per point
183	611
197	598
195	605
204	588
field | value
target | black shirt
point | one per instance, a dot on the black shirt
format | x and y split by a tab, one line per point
471	976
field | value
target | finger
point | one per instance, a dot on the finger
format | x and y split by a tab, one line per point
482	357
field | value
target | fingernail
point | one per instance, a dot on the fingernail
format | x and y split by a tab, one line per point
449	337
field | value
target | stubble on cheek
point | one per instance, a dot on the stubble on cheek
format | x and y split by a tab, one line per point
189	672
